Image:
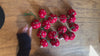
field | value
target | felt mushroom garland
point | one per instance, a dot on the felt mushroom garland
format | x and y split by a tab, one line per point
63	32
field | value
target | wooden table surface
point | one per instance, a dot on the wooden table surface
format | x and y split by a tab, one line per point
88	18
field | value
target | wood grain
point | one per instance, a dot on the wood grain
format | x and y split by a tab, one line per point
88	18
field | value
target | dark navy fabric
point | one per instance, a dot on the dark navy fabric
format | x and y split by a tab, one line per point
24	43
2	17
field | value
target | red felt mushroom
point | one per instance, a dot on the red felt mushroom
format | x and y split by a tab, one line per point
74	27
42	13
46	24
72	12
64	36
55	42
52	18
43	43
62	29
41	34
36	24
71	35
72	19
52	34
63	18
